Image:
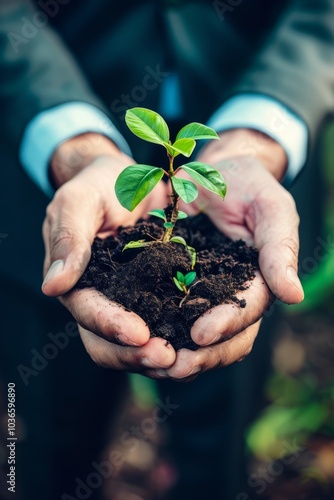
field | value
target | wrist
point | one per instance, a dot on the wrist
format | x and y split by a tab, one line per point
76	153
251	143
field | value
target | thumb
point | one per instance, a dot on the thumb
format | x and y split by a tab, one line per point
276	237
68	232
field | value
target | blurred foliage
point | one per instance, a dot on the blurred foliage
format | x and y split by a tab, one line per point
144	391
299	409
319	286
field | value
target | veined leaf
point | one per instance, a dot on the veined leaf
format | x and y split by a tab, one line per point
181	215
182	146
147	125
158	212
206	176
197	131
189	278
135	183
186	190
137	244
177	283
180	276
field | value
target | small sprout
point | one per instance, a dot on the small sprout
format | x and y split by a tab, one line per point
183	281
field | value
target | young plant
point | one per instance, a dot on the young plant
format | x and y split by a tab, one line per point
137	181
182	281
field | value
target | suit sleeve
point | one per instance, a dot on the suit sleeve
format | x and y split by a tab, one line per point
37	71
296	64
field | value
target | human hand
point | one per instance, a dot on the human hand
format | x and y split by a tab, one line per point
261	212
83	207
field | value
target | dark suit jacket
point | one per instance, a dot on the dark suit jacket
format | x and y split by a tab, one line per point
109	53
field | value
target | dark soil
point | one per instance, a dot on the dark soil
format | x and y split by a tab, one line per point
141	280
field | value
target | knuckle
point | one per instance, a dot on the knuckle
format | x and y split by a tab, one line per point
292	244
217	357
60	235
100	322
50	211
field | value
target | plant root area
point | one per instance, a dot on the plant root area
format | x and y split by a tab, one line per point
141	279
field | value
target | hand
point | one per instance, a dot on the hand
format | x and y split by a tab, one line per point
260	211
85	206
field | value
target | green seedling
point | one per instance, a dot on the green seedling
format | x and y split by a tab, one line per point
182	282
137	181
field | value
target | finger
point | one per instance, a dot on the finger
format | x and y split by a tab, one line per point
156	353
191	363
226	320
68	234
94	312
276	237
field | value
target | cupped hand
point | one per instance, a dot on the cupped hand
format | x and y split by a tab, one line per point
261	212
85	206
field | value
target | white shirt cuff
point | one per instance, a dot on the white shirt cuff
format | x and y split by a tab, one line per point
266	114
47	130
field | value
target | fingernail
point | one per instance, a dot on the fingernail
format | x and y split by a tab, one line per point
56	268
196	369
124	340
149	363
162	373
212	341
292	276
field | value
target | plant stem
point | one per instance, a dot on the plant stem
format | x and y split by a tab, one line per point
185	296
175	200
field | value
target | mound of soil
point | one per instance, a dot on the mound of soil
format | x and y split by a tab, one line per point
141	280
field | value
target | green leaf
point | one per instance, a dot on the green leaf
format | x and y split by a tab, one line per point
186	190
135	183
191	250
168	225
193	256
189	278
182	146
206	176
180	276
197	131
178	284
181	215
147	125
158	213
179	239
137	244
